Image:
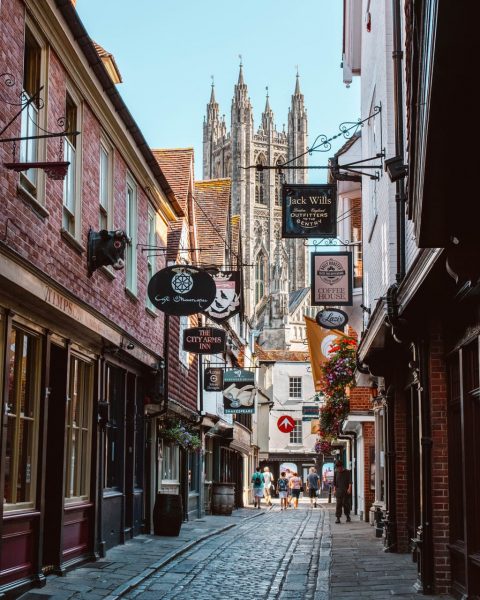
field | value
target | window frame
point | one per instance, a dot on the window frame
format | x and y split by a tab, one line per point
260	264
105	207
34	190
73	227
174	459
151	241
295	381
14	458
131	229
297	433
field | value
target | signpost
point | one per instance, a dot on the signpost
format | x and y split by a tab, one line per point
213	379
181	290
204	340
309	211
286	424
331	279
239	392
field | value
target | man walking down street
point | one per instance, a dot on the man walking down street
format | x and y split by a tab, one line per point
258	483
313	481
342	487
268	479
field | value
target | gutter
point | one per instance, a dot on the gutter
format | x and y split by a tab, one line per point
85	43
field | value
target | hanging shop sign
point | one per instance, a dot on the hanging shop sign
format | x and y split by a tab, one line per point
213	379
310	413
227	298
332	318
239	392
181	290
331	279
286	423
309	211
204	340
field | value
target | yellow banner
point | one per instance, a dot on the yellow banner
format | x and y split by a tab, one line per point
315	426
319	342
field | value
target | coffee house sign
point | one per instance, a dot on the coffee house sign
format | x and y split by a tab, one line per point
309	211
331	279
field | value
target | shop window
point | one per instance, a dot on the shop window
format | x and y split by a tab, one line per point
296	436
79	430
193	472
22	419
114	438
170	462
295	388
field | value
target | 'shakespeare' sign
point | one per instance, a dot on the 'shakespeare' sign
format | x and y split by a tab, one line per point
331	279
181	290
204	340
309	211
227	299
213	379
239	392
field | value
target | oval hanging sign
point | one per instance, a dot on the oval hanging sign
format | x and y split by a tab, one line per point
181	290
332	318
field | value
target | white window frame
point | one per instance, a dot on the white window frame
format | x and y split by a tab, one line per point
73	209
297	433
32	182
295	387
171	454
184	357
151	241
131	220
105	191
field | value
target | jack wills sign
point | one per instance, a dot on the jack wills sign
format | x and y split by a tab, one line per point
204	340
331	279
181	290
309	211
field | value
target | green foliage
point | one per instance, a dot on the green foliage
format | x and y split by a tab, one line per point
181	434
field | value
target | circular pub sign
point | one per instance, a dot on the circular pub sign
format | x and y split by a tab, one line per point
181	290
286	424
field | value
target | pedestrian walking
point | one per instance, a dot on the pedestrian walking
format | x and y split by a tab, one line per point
295	487
258	487
268	488
313	482
282	490
289	475
342	488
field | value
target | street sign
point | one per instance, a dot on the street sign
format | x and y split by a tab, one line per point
332	318
331	279
204	340
213	379
286	424
181	290
309	211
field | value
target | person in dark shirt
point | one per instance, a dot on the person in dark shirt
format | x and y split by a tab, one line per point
342	487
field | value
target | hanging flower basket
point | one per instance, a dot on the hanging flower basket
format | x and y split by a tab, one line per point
180	433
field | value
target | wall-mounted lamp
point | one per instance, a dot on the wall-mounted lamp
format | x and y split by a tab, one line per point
395	168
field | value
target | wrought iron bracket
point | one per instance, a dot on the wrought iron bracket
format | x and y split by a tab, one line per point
322	242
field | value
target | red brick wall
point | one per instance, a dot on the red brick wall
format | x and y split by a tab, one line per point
401	472
360	398
182	381
440	499
38	239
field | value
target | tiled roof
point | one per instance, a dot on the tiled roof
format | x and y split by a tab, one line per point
281	355
177	166
212	204
110	63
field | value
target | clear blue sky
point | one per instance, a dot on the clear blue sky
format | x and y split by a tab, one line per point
167	50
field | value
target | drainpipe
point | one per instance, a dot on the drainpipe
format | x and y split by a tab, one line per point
397	56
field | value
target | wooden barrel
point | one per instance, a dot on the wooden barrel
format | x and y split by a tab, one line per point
223	498
167	514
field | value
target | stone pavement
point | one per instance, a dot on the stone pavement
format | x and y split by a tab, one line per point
252	555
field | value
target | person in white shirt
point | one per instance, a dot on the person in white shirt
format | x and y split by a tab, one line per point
267	491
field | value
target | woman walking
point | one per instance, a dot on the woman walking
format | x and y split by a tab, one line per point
295	486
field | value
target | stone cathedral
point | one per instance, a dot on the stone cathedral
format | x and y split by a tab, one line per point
276	274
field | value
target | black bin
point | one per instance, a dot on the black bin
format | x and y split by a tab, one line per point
167	514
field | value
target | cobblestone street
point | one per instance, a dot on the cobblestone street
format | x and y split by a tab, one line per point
252	555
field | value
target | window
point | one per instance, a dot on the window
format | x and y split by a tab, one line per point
131	230
105	197
70	183
79	430
22	419
114	442
29	149
261	182
182	355
193	472
296	436
278	183
170	462
259	277
152	241
295	387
